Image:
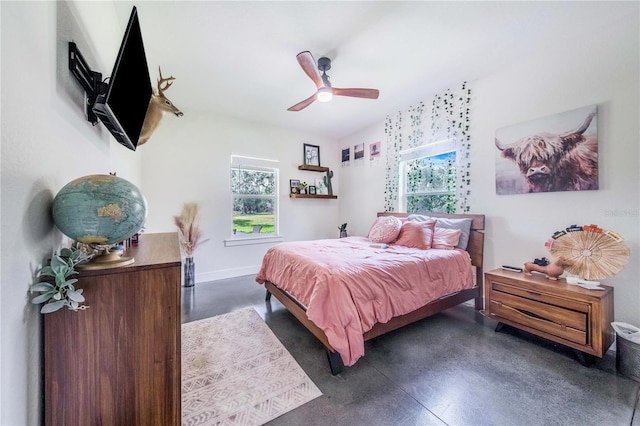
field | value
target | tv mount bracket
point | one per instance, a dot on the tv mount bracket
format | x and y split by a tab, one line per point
90	81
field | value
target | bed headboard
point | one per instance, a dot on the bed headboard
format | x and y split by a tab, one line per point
475	248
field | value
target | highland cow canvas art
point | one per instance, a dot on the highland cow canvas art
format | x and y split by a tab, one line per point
554	153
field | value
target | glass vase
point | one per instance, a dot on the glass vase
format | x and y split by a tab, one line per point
189	272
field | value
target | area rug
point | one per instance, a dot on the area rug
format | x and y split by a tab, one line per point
235	371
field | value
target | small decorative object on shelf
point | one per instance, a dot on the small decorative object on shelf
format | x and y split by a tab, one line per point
189	234
303	187
61	292
327	182
294	185
312	190
343	230
321	188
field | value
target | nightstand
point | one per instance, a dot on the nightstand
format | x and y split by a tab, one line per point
560	312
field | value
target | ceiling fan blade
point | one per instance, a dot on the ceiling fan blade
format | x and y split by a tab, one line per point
309	66
357	93
303	104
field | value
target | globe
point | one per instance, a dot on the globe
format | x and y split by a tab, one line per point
99	209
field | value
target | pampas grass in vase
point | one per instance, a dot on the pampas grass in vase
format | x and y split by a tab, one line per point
189	234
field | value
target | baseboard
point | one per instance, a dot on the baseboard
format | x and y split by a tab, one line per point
226	273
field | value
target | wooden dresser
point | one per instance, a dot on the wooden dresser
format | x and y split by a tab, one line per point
564	313
118	362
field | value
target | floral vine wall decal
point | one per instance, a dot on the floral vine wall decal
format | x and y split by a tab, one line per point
393	130
449	120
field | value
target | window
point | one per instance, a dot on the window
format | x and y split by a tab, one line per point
428	178
254	196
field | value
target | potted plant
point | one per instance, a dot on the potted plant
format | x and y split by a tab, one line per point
56	288
303	187
343	230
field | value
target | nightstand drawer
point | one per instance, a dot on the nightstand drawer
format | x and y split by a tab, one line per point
563	323
564	302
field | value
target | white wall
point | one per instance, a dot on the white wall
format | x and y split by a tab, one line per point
599	66
46	142
362	182
188	159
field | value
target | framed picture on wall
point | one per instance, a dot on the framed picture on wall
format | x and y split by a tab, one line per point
311	155
346	156
374	150
358	151
294	185
523	151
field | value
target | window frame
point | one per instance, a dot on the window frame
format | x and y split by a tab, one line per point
258	165
427	150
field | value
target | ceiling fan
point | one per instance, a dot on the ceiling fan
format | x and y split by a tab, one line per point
325	91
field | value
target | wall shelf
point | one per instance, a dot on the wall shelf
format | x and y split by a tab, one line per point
313	168
312	196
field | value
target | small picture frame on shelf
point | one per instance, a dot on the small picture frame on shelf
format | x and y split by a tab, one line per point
311	154
312	190
294	185
321	188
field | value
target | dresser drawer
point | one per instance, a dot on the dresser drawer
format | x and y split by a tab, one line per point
564	323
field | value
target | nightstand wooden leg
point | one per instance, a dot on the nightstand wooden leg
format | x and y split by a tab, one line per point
585	359
499	326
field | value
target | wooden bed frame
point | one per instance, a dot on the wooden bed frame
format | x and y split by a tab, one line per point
475	248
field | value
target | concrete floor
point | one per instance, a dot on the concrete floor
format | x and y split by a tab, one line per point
449	369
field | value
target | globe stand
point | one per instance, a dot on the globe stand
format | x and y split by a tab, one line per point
106	260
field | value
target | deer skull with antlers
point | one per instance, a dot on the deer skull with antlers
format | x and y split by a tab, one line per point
158	105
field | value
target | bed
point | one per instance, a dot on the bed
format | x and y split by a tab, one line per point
347	291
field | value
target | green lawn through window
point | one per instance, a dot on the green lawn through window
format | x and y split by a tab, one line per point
245	223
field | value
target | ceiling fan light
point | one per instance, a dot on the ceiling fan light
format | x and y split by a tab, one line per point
325	94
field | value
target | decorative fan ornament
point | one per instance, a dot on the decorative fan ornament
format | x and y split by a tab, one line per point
593	253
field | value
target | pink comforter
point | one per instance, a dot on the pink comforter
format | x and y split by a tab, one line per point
348	286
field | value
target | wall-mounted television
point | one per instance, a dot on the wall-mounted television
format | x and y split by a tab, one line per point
121	102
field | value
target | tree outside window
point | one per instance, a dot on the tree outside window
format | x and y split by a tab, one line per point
254	195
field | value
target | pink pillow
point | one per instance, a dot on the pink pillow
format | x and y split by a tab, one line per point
385	229
445	239
416	235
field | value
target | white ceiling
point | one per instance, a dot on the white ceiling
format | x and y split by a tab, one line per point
239	58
